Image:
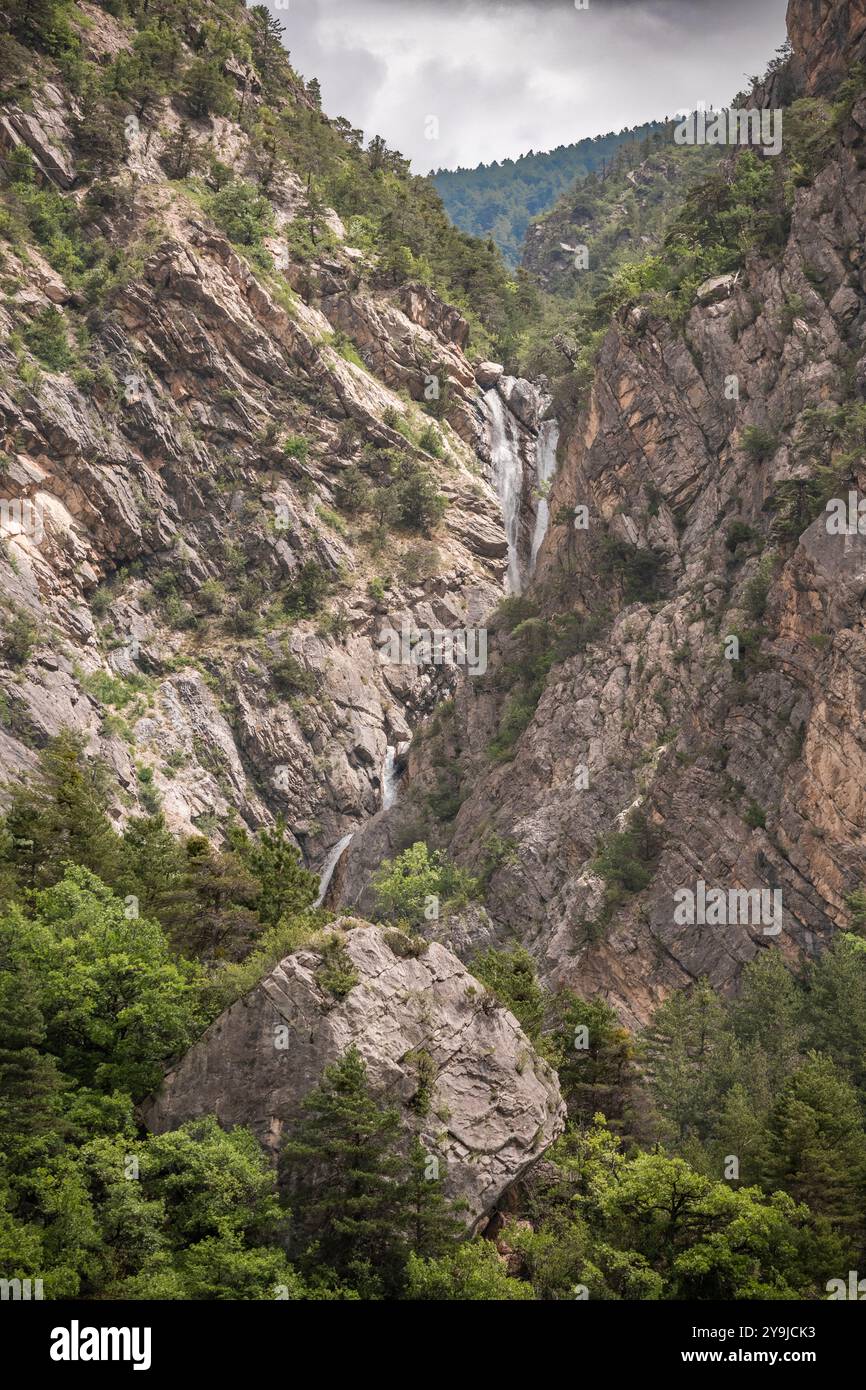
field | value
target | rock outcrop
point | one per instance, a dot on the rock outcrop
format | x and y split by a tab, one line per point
829	37
435	1043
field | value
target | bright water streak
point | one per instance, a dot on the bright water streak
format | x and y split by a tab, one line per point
330	864
507	477
545	467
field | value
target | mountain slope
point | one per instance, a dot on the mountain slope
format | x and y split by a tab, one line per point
210	498
501	199
672	700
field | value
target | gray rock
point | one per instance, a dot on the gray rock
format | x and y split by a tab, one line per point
488	373
717	288
494	1105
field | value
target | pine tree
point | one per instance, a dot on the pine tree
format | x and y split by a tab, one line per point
29	1080
214	912
60	817
346	1179
179	155
678	1047
152	869
816	1148
206	91
433	1224
286	886
266	42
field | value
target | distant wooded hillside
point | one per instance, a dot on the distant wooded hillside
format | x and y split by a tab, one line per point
499	200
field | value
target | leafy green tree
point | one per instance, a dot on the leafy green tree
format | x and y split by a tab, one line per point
30	1083
473	1272
213	1182
115	1000
706	1239
406	885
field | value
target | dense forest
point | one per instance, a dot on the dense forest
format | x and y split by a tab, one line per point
722	1155
499	200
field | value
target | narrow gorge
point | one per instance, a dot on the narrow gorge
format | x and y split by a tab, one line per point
432	688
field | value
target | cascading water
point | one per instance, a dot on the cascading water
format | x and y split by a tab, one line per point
389	778
545	467
391	773
507	468
330	864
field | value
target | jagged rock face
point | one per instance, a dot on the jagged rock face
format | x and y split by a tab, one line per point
829	36
492	1106
184	476
651	713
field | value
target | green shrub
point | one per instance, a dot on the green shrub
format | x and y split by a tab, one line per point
376	590
419	506
737	534
636	569
307	591
759	443
405	885
756	816
336	974
626	860
241	212
296	447
291	677
510	976
46	338
756	590
212	596
206	90
19	638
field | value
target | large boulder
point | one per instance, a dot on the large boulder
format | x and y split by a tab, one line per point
435	1042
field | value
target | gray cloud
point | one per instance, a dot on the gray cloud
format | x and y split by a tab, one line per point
505	76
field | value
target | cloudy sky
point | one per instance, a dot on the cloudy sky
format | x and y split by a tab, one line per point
506	76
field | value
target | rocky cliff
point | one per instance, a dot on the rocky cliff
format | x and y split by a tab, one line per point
829	36
187	590
708	724
206	367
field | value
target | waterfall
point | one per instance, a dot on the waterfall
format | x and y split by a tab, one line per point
545	467
507	476
391	773
389	778
330	864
